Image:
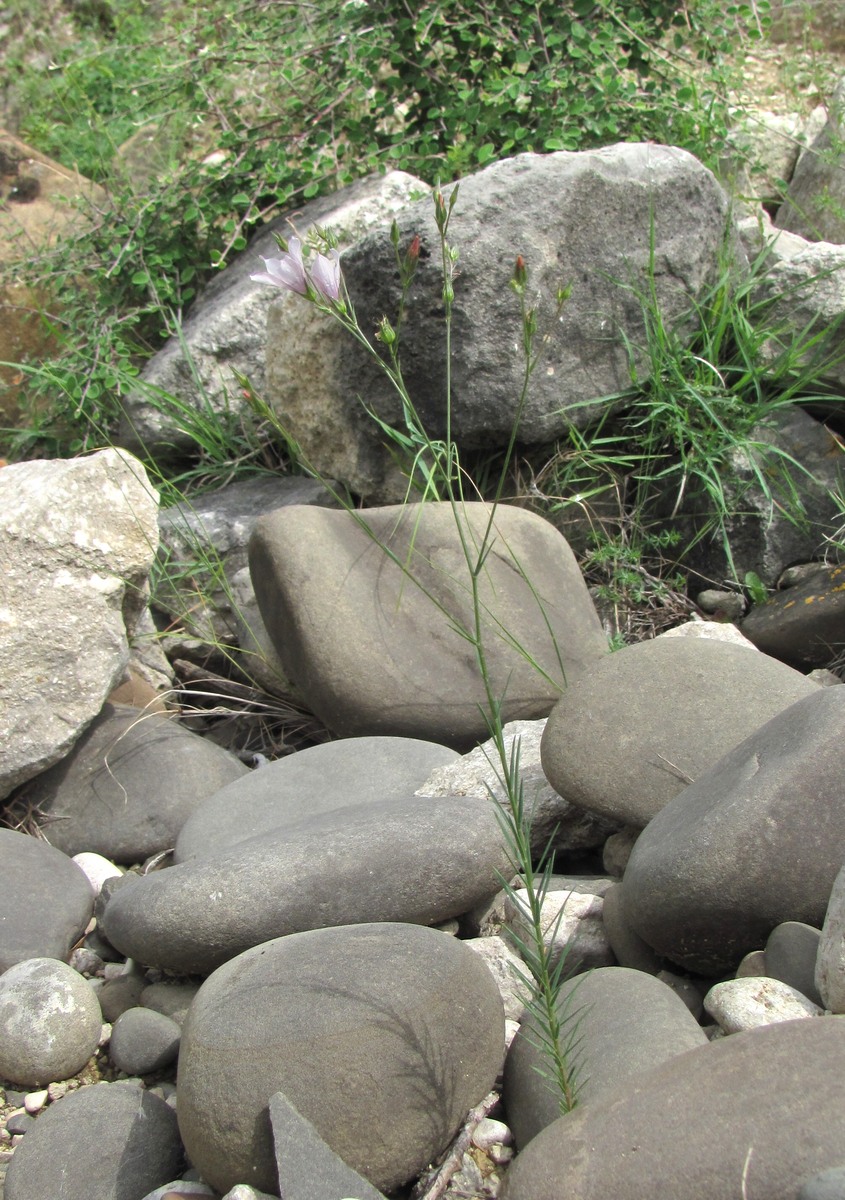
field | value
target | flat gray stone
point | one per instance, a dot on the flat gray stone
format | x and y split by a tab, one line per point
422	860
370	640
641	724
756	840
623	1023
383	1036
130	784
766	1107
317	780
308	1168
47	900
107	1142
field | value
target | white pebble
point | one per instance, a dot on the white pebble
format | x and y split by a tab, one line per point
96	869
739	1004
33	1102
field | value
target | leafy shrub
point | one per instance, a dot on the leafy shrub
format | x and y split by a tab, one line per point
267	105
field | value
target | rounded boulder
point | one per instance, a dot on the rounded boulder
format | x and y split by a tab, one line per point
754	1115
51	1022
641	724
383	1036
112	1141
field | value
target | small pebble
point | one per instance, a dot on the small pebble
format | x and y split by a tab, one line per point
19	1122
86	962
96	869
35	1101
56	1090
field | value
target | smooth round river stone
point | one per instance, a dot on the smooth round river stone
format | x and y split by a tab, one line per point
632	732
755	841
50	1019
422	860
753	1114
47	900
622	1023
130	784
319	779
368	609
383	1036
112	1141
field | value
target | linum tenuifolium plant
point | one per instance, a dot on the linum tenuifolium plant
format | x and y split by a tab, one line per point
434	470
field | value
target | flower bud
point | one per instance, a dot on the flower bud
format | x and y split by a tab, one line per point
385	332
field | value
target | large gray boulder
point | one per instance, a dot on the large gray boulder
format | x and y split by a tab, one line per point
113	1141
815	199
129	785
226	329
77	540
644	722
753	1114
804	466
382	1036
316	780
757	840
418	860
593	220
369	611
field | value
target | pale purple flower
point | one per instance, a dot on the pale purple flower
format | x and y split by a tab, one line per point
325	275
285	272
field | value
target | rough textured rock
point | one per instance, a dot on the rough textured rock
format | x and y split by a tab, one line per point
382	1036
553	819
308	1169
227	326
317	780
803	625
108	1142
739	1004
51	1022
47	900
130	784
420	860
373	647
765	1107
623	1023
215	528
807	290
830	963
756	840
589	219
805	458
815	199
77	540
572	926
629	734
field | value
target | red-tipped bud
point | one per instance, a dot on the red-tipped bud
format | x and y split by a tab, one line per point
520	271
414	249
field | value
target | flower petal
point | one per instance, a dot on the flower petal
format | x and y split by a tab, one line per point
325	275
